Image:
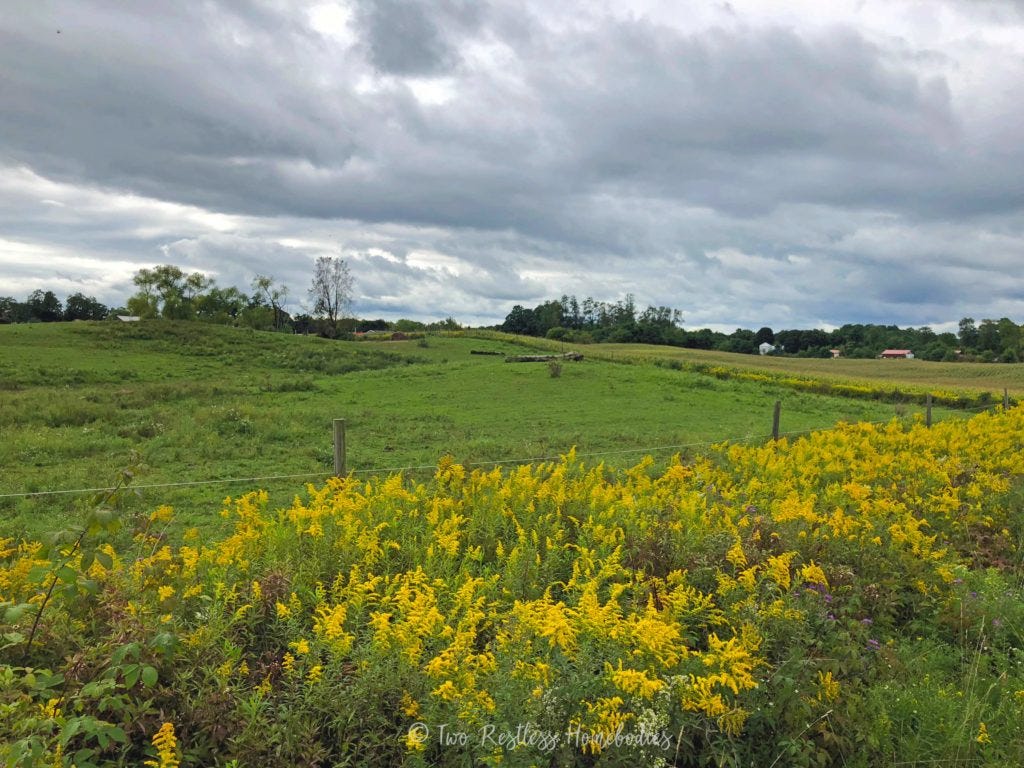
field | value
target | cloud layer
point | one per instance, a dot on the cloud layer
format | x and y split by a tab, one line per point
825	164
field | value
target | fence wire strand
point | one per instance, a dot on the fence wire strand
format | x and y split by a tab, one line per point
422	467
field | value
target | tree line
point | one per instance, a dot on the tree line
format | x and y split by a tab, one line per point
596	321
167	291
589	321
44	307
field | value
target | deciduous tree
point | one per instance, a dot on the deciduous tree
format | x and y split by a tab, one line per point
331	290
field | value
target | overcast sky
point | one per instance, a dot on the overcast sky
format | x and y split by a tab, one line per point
831	162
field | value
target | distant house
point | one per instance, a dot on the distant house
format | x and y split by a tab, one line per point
895	354
765	348
128	318
836	352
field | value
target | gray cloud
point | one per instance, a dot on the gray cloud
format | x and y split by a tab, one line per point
406	37
864	163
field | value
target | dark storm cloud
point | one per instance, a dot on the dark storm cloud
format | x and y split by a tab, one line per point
412	38
544	150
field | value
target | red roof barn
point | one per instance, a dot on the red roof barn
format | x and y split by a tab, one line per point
892	354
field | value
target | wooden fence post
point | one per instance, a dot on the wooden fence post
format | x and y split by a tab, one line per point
928	410
339	447
775	420
1006	399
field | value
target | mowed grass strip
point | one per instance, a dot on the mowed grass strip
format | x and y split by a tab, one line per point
199	402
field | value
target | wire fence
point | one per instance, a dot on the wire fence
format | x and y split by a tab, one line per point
648	450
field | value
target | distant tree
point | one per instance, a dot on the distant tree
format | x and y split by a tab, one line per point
168	292
373	325
143	305
220	305
571	316
12	310
705	338
44	306
520	320
409	326
274	295
968	334
448	324
1009	340
988	337
789	340
660	325
547	315
763	335
194	285
303	324
331	290
81	307
740	341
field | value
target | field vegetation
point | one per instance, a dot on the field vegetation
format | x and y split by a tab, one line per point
202	402
849	596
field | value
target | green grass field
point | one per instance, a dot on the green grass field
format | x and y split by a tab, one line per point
208	403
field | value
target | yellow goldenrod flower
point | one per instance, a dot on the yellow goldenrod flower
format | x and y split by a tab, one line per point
983	737
812	574
633	681
161	514
166	748
446	691
829	688
410	707
736	555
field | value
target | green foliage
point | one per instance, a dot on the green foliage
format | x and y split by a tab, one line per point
569	320
78	398
763	605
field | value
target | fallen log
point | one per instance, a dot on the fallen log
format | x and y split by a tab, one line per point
543	358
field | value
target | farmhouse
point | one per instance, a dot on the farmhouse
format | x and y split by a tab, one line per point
895	354
765	348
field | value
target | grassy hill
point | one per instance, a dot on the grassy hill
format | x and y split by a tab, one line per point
199	402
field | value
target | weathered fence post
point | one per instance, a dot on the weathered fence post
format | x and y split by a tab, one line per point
339	447
928	410
1006	399
775	419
